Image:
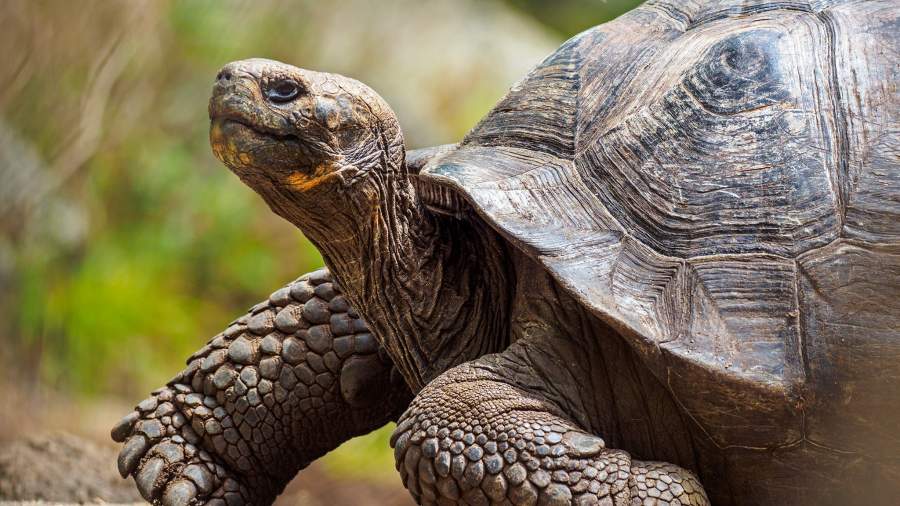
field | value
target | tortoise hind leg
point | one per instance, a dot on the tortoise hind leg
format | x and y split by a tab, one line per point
473	436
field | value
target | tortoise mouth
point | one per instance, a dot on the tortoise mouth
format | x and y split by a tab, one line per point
246	148
236	132
234	122
266	160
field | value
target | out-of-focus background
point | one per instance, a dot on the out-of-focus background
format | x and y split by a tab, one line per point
124	244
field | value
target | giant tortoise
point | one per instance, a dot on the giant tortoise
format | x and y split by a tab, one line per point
664	269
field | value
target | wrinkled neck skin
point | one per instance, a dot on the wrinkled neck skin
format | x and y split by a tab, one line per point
435	290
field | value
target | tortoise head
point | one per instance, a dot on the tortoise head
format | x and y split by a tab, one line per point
326	153
297	137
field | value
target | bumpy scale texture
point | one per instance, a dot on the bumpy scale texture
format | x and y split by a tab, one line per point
282	385
469	437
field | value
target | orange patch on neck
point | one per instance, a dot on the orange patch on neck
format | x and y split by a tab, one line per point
301	181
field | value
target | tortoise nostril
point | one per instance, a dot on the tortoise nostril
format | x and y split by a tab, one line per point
223	75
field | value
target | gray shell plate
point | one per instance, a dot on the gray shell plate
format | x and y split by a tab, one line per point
720	183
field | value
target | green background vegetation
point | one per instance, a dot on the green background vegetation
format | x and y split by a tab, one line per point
123	243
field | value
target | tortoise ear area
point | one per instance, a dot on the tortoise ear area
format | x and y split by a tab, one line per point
328	113
338	113
346	121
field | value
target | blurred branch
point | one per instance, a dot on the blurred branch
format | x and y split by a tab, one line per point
31	179
83	142
24	68
86	139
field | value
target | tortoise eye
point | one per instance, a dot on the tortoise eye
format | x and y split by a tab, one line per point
282	91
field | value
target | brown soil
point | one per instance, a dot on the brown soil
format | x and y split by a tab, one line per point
316	487
63	468
60	467
55	450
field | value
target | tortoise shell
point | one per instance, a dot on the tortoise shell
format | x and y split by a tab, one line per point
720	182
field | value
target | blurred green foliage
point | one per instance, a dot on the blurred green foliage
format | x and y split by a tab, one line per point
568	17
171	244
123	243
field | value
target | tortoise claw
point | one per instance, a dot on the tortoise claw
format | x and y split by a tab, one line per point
131	455
179	493
200	475
174	473
124	427
162	454
147	477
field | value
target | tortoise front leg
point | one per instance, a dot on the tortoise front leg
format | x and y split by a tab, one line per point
286	383
474	436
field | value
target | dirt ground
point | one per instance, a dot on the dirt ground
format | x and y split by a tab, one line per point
53	452
63	468
60	467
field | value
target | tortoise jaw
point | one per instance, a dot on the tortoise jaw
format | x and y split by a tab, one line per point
247	149
265	160
233	122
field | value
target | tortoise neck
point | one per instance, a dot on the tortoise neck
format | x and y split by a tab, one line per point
434	289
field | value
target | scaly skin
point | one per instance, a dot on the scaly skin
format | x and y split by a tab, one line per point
473	436
283	385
